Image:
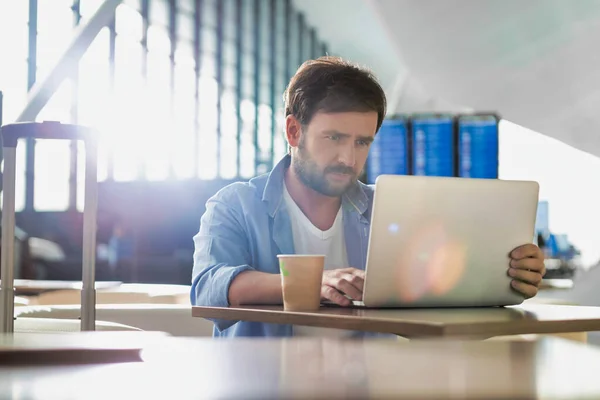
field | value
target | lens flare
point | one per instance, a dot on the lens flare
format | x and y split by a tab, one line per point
436	264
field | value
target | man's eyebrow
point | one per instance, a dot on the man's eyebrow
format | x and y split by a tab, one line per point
367	138
334	132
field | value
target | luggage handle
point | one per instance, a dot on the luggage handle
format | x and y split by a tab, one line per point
10	135
43	130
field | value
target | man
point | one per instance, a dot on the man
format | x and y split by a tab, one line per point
311	202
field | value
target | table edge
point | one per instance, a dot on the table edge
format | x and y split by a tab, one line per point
403	328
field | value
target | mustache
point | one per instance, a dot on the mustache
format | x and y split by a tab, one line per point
339	169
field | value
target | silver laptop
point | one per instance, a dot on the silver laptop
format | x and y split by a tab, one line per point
445	242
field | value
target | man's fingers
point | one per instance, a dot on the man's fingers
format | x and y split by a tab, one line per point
527	251
348	283
353	271
355	280
352	290
343	281
525	289
532	264
333	295
531	277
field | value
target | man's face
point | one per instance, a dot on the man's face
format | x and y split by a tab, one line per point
332	149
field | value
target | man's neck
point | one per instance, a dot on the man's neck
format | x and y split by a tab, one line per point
321	210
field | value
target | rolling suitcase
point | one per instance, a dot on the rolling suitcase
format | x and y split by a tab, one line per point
48	130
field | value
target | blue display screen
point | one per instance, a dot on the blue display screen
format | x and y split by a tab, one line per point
388	153
478	148
433	146
542	220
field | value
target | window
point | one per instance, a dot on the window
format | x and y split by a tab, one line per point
152	143
51	184
573	203
54	32
52	157
94	95
163	108
13	78
183	132
20	178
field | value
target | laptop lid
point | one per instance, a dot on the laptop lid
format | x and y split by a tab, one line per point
445	242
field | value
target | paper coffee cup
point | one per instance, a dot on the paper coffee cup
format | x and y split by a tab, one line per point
301	278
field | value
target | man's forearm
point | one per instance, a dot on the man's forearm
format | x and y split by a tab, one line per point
253	287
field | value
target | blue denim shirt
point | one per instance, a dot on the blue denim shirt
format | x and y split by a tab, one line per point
245	226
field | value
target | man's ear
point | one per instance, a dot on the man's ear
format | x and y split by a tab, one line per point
293	130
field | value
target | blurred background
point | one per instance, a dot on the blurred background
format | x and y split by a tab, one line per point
187	97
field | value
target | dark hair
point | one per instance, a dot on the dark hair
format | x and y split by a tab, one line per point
331	84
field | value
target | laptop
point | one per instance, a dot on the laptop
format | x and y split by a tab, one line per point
445	242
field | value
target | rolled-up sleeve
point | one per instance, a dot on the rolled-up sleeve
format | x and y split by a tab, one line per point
220	254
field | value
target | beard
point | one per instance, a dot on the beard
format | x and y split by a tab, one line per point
313	177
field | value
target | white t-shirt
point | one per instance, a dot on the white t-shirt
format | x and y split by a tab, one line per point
308	239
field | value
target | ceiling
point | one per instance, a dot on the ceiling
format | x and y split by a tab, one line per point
536	62
352	30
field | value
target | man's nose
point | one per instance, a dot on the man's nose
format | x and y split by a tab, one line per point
348	156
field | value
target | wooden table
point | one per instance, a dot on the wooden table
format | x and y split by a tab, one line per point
183	368
475	323
126	293
73	348
33	287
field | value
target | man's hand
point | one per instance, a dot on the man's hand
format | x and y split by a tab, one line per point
337	282
527	269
